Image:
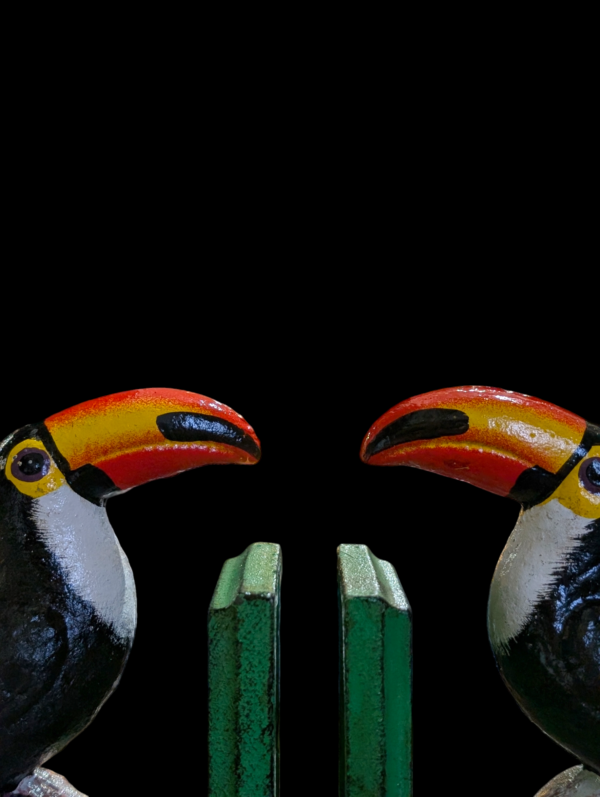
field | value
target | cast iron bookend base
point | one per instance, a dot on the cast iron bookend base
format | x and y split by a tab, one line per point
574	782
45	783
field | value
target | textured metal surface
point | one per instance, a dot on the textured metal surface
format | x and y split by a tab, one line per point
575	782
45	783
243	677
375	677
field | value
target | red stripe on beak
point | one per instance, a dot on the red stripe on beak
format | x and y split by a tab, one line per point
138	467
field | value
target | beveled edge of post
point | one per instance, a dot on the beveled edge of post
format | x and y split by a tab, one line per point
254	574
363	575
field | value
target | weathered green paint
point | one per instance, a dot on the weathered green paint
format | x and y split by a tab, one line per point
375	745
243	676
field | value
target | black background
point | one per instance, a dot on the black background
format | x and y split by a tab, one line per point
309	262
311	382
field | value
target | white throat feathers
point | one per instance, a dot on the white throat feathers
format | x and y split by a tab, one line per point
536	552
81	538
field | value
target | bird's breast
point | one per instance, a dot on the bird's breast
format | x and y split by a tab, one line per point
81	540
552	664
541	546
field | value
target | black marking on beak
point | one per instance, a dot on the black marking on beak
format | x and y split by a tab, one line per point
194	427
419	425
536	485
92	483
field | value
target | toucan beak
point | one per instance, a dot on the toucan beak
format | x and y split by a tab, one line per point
117	442
508	443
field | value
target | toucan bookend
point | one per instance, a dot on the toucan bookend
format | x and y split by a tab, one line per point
67	594
544	605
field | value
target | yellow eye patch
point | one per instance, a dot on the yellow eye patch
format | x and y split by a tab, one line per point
573	494
32	470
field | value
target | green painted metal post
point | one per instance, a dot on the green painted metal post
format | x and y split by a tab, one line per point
375	677
243	676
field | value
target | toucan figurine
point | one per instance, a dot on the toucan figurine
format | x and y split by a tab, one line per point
544	604
67	595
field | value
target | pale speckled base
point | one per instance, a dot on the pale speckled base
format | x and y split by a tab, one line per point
45	783
574	782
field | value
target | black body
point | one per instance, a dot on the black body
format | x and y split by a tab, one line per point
58	660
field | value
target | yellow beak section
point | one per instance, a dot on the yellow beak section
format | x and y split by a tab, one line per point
140	435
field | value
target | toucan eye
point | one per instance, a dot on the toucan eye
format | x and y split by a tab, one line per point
589	473
31	465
